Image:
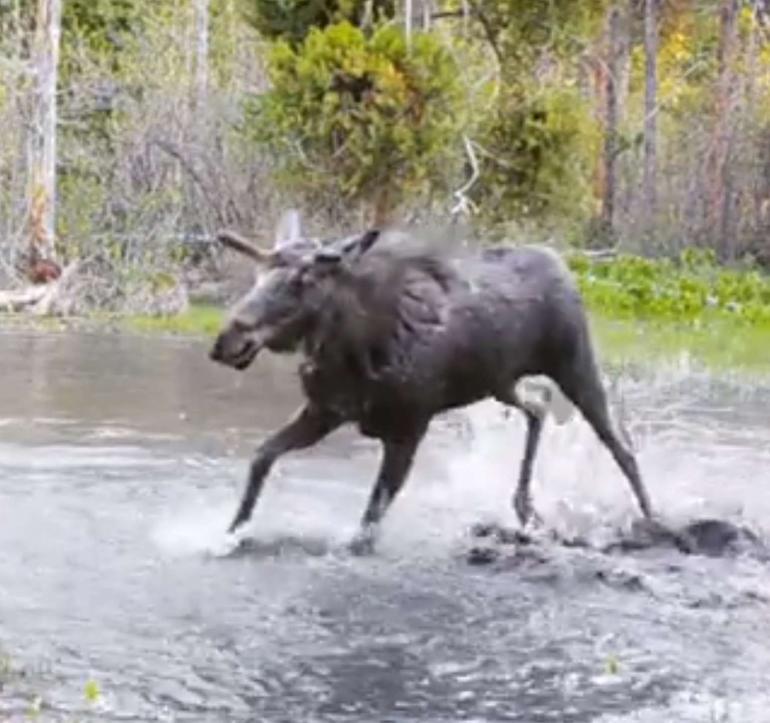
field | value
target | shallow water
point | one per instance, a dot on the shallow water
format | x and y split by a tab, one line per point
122	459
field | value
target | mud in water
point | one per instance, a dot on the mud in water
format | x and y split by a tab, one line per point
122	459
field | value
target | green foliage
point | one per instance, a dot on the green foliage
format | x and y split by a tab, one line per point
719	345
523	30
82	198
292	20
686	68
645	310
103	23
91	26
198	320
353	117
92	691
541	152
691	288
539	131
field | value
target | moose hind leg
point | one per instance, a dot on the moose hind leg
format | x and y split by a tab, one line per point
522	499
308	426
535	415
583	386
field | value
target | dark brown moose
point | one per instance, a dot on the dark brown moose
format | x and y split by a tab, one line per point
392	334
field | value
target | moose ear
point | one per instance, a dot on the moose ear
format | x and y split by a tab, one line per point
361	244
332	255
289	228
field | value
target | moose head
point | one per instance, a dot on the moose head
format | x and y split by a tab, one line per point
292	280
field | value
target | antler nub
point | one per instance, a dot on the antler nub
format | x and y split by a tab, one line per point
236	242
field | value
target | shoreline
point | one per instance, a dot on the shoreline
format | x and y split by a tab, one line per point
718	344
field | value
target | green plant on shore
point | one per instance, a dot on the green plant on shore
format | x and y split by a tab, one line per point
691	288
199	319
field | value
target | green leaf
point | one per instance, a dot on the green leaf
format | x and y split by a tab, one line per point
92	691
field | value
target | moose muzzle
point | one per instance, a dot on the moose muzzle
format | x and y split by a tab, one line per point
234	349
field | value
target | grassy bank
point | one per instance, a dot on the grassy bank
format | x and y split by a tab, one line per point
716	344
712	340
646	310
198	320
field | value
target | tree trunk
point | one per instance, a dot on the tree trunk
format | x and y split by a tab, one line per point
13	140
718	157
611	117
650	113
408	22
623	59
201	53
750	131
42	202
380	208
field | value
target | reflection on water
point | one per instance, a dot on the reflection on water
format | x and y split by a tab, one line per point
121	460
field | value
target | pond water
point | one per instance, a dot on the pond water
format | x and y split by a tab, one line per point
122	460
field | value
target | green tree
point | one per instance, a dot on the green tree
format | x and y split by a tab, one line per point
540	152
359	118
541	138
292	20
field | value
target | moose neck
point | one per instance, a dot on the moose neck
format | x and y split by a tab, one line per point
381	304
341	328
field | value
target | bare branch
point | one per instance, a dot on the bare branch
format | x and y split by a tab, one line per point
173	151
464	204
488	29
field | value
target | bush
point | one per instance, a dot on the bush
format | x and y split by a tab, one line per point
360	118
540	158
292	21
688	288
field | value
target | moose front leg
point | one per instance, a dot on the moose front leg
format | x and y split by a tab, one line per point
397	459
309	426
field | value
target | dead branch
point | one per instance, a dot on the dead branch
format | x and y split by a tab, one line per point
190	169
476	12
16	300
464	204
599	254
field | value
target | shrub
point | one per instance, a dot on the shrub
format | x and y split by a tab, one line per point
359	118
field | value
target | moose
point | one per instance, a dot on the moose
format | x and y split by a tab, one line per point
393	333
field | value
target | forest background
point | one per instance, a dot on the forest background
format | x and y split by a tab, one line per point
634	134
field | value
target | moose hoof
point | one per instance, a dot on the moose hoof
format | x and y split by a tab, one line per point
363	543
239	521
526	513
483	529
483	555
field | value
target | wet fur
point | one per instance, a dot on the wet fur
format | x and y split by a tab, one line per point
396	324
394	333
374	307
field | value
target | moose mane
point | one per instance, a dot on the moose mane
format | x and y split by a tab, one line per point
385	300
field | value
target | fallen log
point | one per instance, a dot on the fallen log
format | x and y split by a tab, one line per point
40	299
17	300
57	296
